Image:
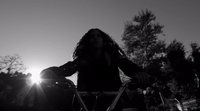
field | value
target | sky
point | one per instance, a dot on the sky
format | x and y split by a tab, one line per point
44	33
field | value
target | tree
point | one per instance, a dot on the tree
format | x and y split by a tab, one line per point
175	53
140	38
182	68
196	56
11	64
141	42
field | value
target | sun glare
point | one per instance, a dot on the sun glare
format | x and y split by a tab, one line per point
35	78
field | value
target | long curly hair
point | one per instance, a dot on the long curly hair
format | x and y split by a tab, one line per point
83	49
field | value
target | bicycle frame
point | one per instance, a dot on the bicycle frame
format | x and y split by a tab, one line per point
78	94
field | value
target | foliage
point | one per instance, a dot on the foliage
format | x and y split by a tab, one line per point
182	66
11	64
170	66
140	38
195	54
142	45
175	52
10	89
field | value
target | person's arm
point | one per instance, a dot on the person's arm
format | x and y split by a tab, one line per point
128	67
69	68
133	70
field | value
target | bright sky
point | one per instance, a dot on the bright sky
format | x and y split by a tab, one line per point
45	32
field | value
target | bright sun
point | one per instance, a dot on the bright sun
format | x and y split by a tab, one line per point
35	78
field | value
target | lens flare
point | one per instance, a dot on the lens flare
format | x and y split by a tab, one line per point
35	78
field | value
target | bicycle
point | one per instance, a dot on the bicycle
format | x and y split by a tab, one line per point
78	95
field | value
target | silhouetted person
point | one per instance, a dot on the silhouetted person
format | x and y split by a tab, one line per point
97	58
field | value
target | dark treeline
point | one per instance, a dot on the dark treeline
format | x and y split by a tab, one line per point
173	69
165	62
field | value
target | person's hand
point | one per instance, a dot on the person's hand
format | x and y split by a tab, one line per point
142	77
